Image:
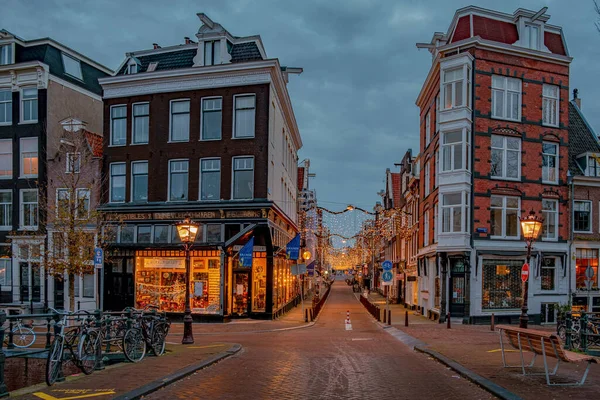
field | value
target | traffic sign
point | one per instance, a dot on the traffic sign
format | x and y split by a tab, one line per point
589	272
525	272
98	257
387	265
387	276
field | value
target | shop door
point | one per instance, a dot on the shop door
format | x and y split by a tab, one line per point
24	269
240	294
457	295
118	284
59	294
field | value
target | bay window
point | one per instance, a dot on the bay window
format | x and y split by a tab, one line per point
504	218
550	103
178	180
455	150
506	157
550	214
456	87
549	162
506	98
454	212
582	216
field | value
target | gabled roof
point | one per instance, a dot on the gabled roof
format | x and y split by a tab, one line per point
94	142
582	138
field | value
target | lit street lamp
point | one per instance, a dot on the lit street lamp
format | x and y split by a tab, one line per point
531	227
187	231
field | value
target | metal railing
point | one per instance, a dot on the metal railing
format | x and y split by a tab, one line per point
580	331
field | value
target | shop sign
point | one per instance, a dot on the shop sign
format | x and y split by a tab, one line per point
255	248
400	277
159	262
243	214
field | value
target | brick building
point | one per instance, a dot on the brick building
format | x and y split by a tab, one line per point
494	135
203	129
43	83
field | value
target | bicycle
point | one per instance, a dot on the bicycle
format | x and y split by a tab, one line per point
82	346
23	335
149	331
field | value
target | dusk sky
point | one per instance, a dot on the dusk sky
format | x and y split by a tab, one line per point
355	101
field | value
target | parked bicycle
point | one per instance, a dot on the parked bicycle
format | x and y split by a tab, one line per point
149	331
23	335
82	345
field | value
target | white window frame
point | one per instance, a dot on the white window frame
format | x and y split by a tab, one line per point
133	118
78	198
76	168
234	136
466	87
189	113
213	44
504	209
527	36
110	182
555	275
427	128
202	117
9	53
426	228
21	159
7	89
546	214
133	175
505	151
427	174
464	143
548	99
556	162
169	180
22	211
111	125
8	206
10	156
591	215
200	180
233	176
57	199
592	165
65	56
464	210
22	107
505	93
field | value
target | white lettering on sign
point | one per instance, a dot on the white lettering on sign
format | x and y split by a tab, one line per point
161	262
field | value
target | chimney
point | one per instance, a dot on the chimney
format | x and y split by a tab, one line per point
188	40
156	46
576	99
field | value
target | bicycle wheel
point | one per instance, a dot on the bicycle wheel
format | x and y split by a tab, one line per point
54	361
23	337
134	345
88	352
158	339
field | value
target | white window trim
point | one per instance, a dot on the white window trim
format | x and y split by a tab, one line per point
427	180
526	36
110	118
132	188
556	219
503	236
110	177
11	103
22	109
505	97
557	108
466	147
555	182
133	124
233	175
202	117
427	128
8	227
426	228
67	170
11	160
466	78
171	121
12	52
200	179
464	218
89	191
22	227
169	181
591	215
555	268
56	198
21	174
504	159
234	113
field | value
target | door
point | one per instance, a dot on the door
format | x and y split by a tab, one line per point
59	294
118	284
240	294
457	295
24	272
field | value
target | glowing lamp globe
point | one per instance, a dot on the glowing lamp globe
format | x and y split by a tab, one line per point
306	255
187	230
531	226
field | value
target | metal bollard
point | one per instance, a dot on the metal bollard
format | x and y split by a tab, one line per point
48	334
306	315
389	317
384	317
406	318
448	321
378	314
100	361
493	324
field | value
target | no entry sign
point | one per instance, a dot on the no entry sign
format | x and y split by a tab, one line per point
525	272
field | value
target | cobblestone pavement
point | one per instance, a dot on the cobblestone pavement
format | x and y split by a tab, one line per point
325	361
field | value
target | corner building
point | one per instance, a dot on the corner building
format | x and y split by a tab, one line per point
494	145
203	129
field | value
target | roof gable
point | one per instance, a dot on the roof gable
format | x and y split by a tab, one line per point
582	138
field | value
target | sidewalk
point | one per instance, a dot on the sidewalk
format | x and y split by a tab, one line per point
399	311
477	348
119	379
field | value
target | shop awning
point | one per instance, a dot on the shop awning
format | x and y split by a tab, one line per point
243	236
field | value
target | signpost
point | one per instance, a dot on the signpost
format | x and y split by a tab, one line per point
387	278
525	272
386	265
99	264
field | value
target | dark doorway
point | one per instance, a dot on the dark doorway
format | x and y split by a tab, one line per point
457	288
59	294
118	284
24	272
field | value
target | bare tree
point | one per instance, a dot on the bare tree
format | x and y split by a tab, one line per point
597	9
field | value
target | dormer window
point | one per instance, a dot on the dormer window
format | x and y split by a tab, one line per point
589	164
152	67
532	36
72	66
6	54
132	68
212	52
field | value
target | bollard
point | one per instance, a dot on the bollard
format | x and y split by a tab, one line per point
306	315
312	315
3	387
98	323
448	320
384	317
406	318
389	317
493	324
378	314
48	334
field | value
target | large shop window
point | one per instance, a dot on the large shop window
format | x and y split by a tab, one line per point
118	125
501	284
243	178
506	157
211	118
504	217
582	216
259	279
457	87
178	180
5	106
210	179
506	98
585	258
549	162
454	206
161	281
455	150
284	284
141	123
550	214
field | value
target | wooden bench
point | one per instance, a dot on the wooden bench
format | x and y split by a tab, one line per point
546	344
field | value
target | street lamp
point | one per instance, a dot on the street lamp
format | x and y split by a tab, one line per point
530	227
187	231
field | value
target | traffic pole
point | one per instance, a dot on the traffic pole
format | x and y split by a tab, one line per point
406	318
448	320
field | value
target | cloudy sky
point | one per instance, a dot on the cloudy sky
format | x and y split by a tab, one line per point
355	101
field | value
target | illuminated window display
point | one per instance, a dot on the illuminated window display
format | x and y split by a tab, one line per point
259	279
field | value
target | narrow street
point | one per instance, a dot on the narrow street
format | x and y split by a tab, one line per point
324	362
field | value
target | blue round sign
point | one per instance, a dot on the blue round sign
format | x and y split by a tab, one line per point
387	276
386	265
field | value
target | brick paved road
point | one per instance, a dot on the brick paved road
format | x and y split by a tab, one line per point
324	362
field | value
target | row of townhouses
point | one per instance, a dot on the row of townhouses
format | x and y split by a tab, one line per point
204	129
498	138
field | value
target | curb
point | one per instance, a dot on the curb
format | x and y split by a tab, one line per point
479	380
305	325
174	377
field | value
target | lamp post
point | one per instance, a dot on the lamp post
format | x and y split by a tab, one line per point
187	231
530	227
